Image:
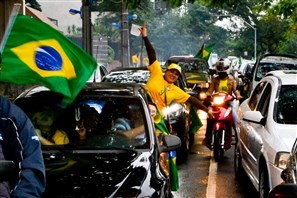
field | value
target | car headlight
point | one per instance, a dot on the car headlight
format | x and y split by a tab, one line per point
173	111
281	159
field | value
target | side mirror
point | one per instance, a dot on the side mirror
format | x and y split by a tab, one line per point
170	143
7	170
254	117
286	190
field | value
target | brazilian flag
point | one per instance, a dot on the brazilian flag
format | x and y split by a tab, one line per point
196	122
205	52
36	53
171	156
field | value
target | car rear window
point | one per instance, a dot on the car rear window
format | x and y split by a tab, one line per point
191	65
266	67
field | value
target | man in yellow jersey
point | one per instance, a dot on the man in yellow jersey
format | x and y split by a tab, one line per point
223	82
162	89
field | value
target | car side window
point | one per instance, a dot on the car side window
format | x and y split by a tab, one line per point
264	101
254	99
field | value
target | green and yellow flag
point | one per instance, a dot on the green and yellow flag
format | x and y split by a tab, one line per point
196	122
36	53
205	52
171	156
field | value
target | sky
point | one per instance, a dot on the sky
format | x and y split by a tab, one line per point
59	10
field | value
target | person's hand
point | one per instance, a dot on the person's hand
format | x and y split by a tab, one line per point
210	114
239	97
143	31
82	133
38	132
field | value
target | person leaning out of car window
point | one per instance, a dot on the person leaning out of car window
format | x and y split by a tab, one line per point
225	83
162	89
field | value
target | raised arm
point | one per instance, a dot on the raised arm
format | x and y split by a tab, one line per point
151	53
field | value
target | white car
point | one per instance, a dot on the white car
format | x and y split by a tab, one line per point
272	62
267	130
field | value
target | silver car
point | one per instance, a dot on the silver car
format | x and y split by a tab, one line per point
267	129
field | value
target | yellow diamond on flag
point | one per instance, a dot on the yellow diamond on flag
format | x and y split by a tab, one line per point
205	53
46	57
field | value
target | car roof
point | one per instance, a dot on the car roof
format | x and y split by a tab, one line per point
279	58
287	77
126	89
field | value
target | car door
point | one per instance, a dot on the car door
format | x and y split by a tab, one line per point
258	133
247	134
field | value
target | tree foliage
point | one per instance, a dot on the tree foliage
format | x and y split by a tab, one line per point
34	4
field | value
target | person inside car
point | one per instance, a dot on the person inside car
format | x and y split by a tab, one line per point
87	122
162	89
45	123
223	82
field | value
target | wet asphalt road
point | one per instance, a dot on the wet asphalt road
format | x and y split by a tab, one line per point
201	177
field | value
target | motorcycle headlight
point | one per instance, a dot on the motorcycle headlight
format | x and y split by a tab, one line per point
281	159
218	100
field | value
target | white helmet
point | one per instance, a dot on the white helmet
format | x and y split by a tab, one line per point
223	65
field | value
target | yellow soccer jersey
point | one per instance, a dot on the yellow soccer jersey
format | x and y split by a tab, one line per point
60	137
223	86
157	85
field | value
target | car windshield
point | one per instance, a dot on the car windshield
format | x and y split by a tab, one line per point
287	105
265	67
93	122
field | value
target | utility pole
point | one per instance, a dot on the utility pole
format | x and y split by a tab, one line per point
87	26
125	43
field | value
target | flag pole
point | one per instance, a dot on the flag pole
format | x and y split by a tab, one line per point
13	14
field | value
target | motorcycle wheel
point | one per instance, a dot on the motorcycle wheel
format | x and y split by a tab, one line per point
218	151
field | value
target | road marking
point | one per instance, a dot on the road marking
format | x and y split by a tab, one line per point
211	185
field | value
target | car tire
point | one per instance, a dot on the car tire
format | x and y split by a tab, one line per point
263	183
238	169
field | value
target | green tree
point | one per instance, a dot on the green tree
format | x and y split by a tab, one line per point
34	4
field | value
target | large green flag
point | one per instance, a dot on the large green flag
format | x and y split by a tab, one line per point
205	52
196	122
171	156
36	53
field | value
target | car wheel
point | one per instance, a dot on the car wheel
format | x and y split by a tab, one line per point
238	170
263	183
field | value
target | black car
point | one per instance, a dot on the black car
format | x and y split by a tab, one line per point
106	163
178	115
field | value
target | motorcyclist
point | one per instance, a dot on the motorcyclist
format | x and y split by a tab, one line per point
223	82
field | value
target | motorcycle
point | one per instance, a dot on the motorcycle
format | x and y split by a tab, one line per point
221	125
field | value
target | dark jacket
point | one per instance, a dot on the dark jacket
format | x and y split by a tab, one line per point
21	144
